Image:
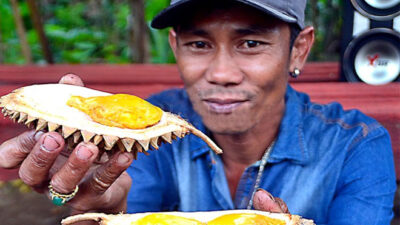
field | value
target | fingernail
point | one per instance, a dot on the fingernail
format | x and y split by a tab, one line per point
84	152
123	159
49	143
37	135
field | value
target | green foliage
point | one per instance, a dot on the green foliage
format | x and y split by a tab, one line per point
98	31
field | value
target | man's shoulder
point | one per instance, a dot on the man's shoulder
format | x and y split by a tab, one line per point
333	118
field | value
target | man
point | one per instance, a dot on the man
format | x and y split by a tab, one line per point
235	57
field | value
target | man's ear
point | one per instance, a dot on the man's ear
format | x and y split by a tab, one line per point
301	48
173	42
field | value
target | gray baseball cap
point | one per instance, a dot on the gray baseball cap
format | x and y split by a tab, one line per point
291	11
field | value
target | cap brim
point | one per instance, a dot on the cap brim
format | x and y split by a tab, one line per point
170	15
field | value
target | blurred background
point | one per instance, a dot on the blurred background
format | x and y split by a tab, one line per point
117	31
109	43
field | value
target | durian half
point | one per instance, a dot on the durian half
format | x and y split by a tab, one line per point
44	107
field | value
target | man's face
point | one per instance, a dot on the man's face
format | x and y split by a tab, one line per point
234	64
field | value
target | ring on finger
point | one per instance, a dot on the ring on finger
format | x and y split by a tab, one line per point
59	198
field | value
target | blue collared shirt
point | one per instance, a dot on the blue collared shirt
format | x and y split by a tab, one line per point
329	165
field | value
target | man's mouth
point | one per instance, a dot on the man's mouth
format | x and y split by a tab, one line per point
223	106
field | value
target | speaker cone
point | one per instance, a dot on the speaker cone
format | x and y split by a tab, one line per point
373	57
378	9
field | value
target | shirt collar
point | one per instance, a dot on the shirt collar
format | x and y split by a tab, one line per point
290	144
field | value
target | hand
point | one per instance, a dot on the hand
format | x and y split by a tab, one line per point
264	201
102	186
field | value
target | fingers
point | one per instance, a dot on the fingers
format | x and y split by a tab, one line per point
35	168
14	151
74	170
264	201
71	79
106	175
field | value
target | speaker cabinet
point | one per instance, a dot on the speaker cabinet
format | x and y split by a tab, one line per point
371	41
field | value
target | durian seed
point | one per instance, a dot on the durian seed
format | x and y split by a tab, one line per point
167	137
41	124
97	139
109	141
52	126
87	136
22	117
3	110
128	143
154	142
77	136
67	131
145	144
173	136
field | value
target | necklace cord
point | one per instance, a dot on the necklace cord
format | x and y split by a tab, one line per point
263	163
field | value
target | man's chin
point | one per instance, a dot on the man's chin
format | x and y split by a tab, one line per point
227	128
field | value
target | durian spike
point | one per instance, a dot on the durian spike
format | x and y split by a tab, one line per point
144	144
22	117
167	137
109	141
30	119
97	139
41	124
67	131
77	136
154	142
128	143
87	136
52	126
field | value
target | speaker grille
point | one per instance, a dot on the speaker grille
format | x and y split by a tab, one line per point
373	57
378	9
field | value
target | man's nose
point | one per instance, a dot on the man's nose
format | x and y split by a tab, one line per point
223	70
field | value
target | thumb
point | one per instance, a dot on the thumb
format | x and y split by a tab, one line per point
264	201
71	79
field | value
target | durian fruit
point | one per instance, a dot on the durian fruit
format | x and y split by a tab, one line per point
227	217
57	107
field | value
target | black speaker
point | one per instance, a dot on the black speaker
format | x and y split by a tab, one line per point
370	49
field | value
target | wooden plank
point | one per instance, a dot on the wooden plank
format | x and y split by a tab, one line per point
140	73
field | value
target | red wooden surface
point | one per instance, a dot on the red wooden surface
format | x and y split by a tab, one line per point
380	102
138	74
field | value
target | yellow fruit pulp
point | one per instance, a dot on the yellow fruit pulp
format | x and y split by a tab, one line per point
120	110
245	219
229	219
165	219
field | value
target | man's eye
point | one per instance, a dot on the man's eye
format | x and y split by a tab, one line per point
251	44
198	44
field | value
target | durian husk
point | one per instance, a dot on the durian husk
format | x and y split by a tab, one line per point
129	219
43	107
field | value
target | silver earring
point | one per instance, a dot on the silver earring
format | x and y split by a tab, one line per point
296	73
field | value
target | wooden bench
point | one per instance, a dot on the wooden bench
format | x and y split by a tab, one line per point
319	80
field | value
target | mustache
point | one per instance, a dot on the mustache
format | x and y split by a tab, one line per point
218	91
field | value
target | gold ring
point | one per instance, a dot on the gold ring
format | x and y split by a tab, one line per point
60	199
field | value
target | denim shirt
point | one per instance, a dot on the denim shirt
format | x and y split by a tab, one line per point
329	165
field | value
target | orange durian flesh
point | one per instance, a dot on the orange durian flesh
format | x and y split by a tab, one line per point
244	219
119	110
165	219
